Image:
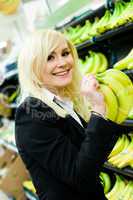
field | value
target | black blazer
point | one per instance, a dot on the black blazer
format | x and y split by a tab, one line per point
63	158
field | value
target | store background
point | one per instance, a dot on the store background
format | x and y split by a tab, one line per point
14	27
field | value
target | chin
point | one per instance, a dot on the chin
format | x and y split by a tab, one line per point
64	83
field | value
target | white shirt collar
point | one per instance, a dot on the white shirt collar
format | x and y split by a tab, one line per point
51	96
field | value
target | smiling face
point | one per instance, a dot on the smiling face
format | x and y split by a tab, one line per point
58	70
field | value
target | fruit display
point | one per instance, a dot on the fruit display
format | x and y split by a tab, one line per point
122	14
94	62
125	63
117	89
118	189
122	189
122	154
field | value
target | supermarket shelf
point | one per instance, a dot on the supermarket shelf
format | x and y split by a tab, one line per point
128	122
129	73
106	35
80	19
125	171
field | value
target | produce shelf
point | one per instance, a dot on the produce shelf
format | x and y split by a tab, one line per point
106	35
80	19
127	171
128	122
129	73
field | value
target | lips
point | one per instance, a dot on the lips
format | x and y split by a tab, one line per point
62	73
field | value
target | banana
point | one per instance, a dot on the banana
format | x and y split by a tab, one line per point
104	62
116	14
106	181
120	76
101	26
127	193
122	64
96	63
116	159
128	155
124	99
90	65
85	36
110	101
118	186
119	146
130	65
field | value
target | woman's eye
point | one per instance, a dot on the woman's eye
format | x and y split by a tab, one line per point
66	53
50	57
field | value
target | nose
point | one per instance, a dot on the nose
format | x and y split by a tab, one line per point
61	62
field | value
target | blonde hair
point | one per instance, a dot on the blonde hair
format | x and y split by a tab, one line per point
32	59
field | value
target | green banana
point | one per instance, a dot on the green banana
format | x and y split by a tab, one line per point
101	25
110	101
85	36
106	181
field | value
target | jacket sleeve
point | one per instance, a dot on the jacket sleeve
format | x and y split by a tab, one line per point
44	142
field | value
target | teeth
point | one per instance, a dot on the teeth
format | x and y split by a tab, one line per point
62	73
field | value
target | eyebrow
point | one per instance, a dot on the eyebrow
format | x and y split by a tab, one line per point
53	52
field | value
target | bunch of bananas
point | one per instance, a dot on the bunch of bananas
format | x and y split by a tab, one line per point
29	185
125	63
93	63
9	6
122	153
121	190
117	89
122	14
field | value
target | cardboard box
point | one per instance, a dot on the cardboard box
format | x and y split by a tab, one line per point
16	174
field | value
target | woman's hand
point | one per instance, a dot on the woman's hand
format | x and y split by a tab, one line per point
90	90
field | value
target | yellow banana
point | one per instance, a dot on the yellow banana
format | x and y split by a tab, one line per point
119	146
122	64
110	101
128	155
104	62
127	193
118	157
117	186
124	99
96	64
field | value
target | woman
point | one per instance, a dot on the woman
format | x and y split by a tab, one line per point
62	143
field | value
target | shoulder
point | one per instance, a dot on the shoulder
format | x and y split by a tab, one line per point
34	109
